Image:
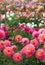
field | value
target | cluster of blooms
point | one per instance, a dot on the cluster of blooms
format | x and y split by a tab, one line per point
30	47
33	25
29	29
30	10
8	15
3	32
34	47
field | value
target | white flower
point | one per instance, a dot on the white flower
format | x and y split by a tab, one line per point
3	16
40	24
43	14
8	16
28	24
32	23
32	26
10	19
11	14
7	13
42	21
35	24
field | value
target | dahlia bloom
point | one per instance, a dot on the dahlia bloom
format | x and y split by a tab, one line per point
30	31
17	57
25	41
36	29
8	51
26	29
6	34
41	38
2	34
21	25
35	34
34	42
7	43
42	30
28	50
18	38
5	28
40	54
1	45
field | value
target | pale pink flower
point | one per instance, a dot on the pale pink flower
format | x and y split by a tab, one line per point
25	41
41	38
14	47
42	30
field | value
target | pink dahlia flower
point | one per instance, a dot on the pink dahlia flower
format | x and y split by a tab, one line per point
22	25
1	45
26	29
40	54
42	30
5	28
7	43
2	34
34	42
17	57
25	41
30	31
41	38
6	34
8	51
28	50
35	34
36	29
18	38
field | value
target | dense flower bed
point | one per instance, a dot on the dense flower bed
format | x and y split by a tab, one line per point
22	35
22	44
